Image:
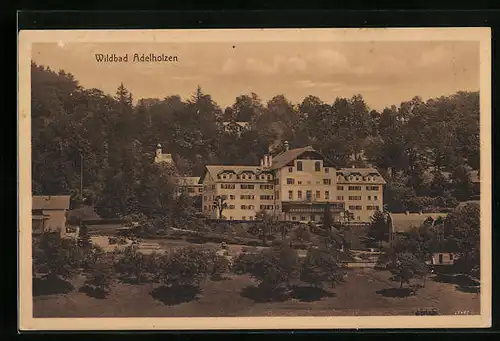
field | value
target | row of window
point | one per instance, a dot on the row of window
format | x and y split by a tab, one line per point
245	177
193	190
359	207
291	196
244	186
317	167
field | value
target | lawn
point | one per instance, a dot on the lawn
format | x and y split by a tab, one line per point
365	292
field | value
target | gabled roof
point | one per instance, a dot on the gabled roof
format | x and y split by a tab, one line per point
214	170
50	202
281	160
403	222
364	173
189	180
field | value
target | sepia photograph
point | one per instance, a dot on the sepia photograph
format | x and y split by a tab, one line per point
297	178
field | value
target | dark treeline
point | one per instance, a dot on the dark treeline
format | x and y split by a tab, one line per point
412	144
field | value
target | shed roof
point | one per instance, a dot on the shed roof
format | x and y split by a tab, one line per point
50	202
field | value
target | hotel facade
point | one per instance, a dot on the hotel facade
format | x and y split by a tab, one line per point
295	185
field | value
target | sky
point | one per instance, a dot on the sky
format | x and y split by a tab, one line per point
384	73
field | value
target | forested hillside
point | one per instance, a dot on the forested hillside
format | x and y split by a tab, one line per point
412	143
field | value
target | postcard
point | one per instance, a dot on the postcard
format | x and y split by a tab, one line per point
254	179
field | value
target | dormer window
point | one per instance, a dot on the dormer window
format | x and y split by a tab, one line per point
269	177
317	166
327	169
243	176
299	166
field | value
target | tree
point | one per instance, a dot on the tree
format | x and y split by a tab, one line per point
378	230
320	266
220	204
55	257
100	275
275	268
408	267
461	183
439	184
186	267
462	234
264	227
301	234
132	264
327	218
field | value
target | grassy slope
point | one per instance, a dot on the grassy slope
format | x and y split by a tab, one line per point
364	293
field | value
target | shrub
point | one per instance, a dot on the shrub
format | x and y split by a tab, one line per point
55	257
321	266
100	276
300	246
278	243
273	268
132	264
186	266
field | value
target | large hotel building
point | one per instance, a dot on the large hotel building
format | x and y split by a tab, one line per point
295	185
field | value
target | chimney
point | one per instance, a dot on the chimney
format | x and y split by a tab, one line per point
266	161
285	144
261	163
270	160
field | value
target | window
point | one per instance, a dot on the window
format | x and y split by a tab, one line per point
227	186
318	195
451	256
205	208
372	188
269	177
277	181
375	197
317	166
355	188
243	186
231	207
369	197
200	190
299	182
299	195
290	181
266	207
247	197
251	218
230	218
266	197
340	197
308	195
302	218
266	186
372	208
340	188
299	166
355	197
355	207
327	170
290	169
243	218
190	190
213	187
294	218
231	197
440	258
243	176
251	207
327	195
290	195
327	181
224	197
